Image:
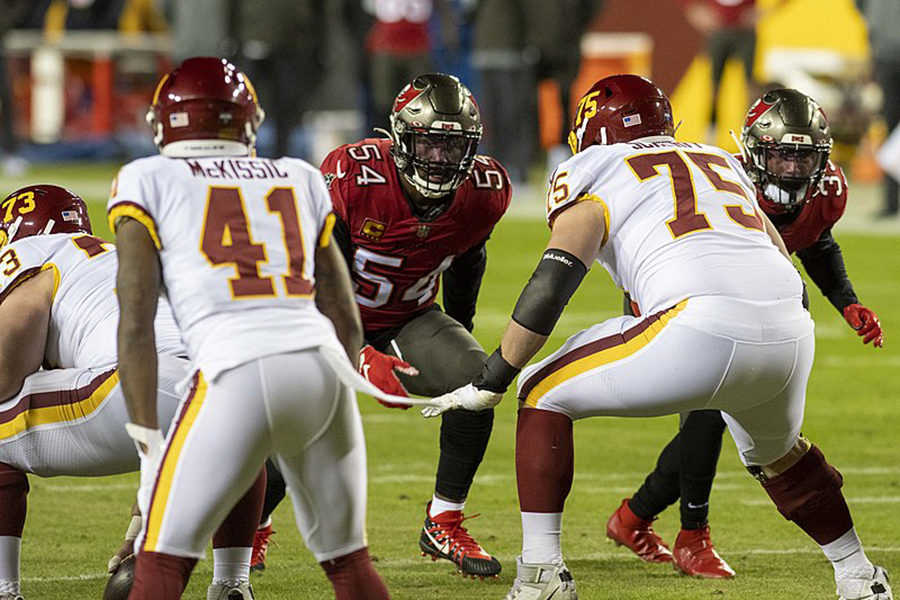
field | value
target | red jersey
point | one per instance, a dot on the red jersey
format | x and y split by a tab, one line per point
397	257
824	208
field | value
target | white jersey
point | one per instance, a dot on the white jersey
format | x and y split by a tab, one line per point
85	314
237	240
682	221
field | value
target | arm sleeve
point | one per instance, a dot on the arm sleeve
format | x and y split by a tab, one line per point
462	280
341	234
825	266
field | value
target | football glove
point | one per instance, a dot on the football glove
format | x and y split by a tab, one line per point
381	370
865	323
468	397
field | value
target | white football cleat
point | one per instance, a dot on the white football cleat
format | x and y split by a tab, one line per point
12	597
542	582
229	590
876	587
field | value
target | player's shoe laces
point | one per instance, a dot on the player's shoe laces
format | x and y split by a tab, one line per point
229	590
260	546
542	582
445	537
627	529
695	555
876	586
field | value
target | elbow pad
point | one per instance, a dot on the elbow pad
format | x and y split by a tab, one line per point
554	281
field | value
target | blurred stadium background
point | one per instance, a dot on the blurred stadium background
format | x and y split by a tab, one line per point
77	80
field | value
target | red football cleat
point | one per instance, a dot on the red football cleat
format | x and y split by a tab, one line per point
445	537
627	529
695	555
260	545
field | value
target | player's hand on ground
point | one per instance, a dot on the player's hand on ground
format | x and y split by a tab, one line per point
468	397
124	551
866	324
381	370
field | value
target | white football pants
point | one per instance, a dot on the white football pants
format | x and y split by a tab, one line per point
751	360
72	421
290	405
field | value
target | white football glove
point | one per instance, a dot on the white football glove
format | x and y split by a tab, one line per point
468	397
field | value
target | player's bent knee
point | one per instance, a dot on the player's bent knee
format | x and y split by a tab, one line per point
809	494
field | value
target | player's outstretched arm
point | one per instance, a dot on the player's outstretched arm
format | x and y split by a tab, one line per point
137	289
334	298
25	312
578	234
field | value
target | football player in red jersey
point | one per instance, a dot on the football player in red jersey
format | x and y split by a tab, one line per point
785	143
412	209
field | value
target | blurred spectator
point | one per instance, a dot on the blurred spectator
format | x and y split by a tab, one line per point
558	30
203	28
452	41
729	30
398	47
282	49
12	14
883	19
506	61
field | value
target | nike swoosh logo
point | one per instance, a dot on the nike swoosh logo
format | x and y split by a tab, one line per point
441	547
696	506
337	171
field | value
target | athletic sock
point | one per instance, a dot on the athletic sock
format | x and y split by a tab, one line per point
231	565
661	487
354	578
10	553
847	556
701	445
541	538
438	506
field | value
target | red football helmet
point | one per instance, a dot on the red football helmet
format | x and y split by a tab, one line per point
205	107
41	210
620	108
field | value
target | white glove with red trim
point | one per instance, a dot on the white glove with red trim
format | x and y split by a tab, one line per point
468	397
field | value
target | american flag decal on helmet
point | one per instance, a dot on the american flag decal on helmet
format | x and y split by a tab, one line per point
69	215
631	120
179	119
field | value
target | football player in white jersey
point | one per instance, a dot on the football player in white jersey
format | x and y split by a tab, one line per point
57	298
241	247
676	225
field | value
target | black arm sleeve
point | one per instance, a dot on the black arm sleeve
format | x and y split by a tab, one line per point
825	266
462	282
341	235
553	282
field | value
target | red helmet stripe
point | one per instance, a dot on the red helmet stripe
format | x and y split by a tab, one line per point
756	111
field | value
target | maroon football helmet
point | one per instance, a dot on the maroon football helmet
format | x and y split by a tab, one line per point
620	108
205	106
41	210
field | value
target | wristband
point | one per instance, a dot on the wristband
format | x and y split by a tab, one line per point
496	375
134	528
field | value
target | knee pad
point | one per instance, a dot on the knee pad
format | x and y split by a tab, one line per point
809	494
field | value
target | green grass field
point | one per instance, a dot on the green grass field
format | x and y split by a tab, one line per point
853	413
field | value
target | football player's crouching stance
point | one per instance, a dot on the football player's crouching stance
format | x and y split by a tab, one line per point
241	246
785	145
412	210
57	296
678	226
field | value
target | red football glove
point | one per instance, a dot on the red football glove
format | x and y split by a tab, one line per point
865	323
379	368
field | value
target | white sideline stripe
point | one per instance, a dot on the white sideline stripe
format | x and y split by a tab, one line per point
636	475
623	555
